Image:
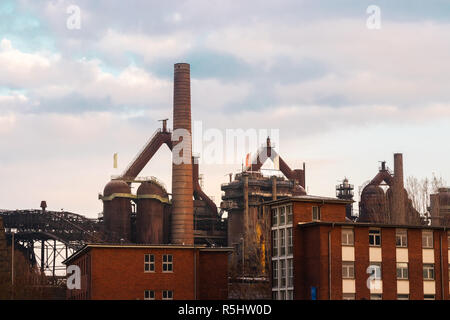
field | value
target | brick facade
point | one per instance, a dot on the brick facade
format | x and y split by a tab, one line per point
318	256
110	272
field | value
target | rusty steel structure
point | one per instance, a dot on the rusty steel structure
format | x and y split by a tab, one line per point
440	208
49	237
345	191
152	213
243	199
392	206
189	215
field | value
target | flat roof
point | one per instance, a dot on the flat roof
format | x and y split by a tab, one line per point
89	246
310	198
368	224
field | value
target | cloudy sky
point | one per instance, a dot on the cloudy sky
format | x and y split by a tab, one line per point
343	96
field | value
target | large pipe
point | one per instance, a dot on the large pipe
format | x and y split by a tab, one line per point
182	188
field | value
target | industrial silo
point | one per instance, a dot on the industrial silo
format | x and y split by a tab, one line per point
152	199
373	204
117	211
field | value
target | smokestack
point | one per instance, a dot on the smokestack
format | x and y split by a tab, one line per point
182	227
399	213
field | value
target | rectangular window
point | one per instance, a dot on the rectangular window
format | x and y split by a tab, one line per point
402	270
290	263
347	237
283	273
376	296
348	270
428	297
290	241
448	240
274	217
282	215
283	295
401	238
274	295
275	243
375	269
282	242
348	296
374	237
289	214
167	295
403	297
290	295
427	239
149	295
167	263
428	271
315	213
275	274
149	263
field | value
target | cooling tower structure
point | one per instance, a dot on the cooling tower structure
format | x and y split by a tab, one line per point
392	206
182	228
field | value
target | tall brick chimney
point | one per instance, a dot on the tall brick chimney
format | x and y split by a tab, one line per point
399	214
182	227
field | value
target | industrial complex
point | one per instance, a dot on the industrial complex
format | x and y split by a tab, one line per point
268	238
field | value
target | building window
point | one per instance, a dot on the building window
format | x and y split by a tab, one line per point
428	297
275	243
374	237
347	237
402	270
401	238
282	215
274	217
403	297
376	296
375	269
348	296
290	263
149	263
282	242
428	271
167	265
315	213
427	239
289	214
348	270
290	295
149	295
274	295
448	240
290	241
283	295
283	273
167	295
275	274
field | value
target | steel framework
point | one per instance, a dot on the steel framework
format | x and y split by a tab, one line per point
49	237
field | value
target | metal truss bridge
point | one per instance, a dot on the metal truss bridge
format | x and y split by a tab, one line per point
49	237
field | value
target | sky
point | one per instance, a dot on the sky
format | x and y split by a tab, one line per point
342	94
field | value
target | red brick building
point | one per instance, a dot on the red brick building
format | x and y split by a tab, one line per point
318	254
150	272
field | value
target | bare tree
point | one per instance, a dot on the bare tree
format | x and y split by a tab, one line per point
419	191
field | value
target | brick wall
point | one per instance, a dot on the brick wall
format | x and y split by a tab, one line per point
389	264
362	262
415	264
